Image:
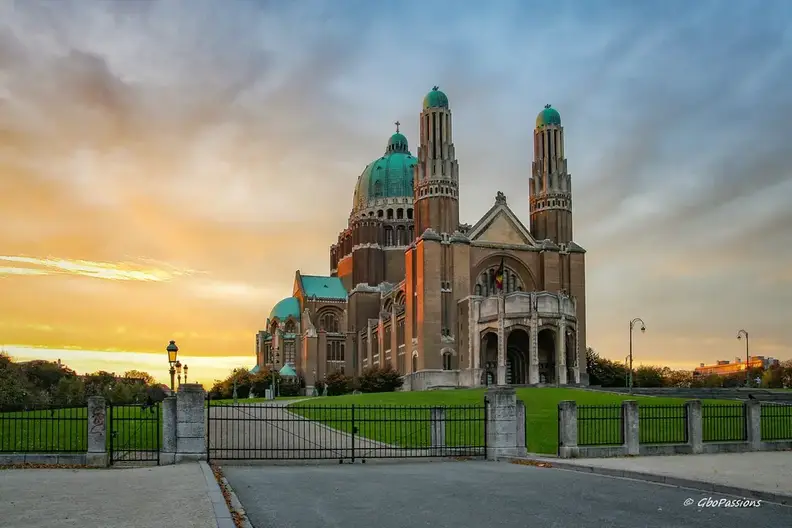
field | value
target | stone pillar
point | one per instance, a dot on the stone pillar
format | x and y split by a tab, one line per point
631	427
168	454
97	432
753	424
567	429
533	370
501	403
437	419
500	378
695	429
521	448
190	422
560	352
475	334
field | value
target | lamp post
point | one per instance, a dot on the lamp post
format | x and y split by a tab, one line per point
740	335
626	378
185	373
643	329
275	358
173	351
178	371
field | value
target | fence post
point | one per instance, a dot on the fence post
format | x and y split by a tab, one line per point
437	417
695	429
632	429
190	422
501	427
521	447
567	429
168	455
753	424
97	432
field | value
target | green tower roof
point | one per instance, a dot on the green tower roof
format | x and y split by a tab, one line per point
435	99
285	308
548	116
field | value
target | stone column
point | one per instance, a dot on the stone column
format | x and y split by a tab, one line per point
753	424
576	365
190	422
168	452
521	448
567	429
97	432
695	429
631	427
475	334
501	371
501	403
560	352
437	419
533	370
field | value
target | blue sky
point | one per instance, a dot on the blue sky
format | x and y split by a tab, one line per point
206	135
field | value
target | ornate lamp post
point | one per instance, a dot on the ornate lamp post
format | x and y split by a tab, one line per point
185	373
643	329
178	371
173	351
740	335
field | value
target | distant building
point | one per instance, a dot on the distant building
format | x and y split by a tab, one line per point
726	367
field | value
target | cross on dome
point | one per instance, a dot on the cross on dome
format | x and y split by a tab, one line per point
397	125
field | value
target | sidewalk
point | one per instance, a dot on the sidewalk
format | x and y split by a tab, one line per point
156	497
763	475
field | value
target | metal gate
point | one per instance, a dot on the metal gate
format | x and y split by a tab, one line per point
273	431
135	433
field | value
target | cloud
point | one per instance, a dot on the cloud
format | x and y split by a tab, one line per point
144	140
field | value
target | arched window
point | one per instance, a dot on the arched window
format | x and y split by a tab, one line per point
487	285
273	327
377	189
290	327
328	322
446	360
415	362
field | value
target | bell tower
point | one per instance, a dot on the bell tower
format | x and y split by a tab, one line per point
550	183
436	176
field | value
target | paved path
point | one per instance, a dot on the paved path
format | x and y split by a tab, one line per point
476	494
156	497
763	472
268	431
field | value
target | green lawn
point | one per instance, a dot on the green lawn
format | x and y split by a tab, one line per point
243	401
66	430
403	418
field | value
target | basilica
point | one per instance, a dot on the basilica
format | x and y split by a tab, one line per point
447	304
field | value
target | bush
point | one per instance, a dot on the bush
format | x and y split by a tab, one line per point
380	379
319	385
289	387
338	383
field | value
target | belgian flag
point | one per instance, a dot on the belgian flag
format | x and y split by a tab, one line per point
499	276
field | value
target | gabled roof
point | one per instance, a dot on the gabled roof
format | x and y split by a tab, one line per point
322	287
501	209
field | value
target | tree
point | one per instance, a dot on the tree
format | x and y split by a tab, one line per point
648	376
144	377
605	372
377	379
45	375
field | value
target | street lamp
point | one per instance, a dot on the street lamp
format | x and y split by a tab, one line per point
643	329
740	335
173	351
178	371
275	358
185	373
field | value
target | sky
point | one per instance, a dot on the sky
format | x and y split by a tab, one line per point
166	166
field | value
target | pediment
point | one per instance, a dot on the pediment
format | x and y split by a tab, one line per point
501	226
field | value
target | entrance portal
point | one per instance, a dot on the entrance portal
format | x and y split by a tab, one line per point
517	347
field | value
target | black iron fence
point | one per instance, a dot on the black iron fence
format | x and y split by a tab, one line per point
776	421
724	422
600	425
344	432
662	424
44	429
134	433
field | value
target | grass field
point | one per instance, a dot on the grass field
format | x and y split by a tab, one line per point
66	430
403	418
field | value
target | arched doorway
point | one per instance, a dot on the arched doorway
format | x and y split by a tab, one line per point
517	352
489	358
547	363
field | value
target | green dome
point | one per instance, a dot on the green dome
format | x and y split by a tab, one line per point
548	116
289	306
436	99
287	371
390	176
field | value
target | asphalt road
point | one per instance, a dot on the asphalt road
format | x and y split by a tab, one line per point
475	495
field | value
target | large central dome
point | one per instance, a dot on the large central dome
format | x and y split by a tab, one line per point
390	176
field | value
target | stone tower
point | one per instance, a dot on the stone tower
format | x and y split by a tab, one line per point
550	183
437	263
436	173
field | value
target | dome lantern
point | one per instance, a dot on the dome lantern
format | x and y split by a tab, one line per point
548	116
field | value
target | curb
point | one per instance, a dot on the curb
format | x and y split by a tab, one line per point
777	498
221	510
